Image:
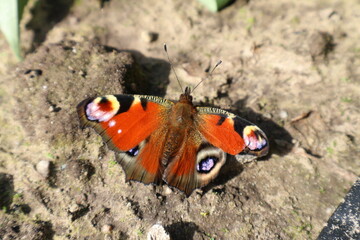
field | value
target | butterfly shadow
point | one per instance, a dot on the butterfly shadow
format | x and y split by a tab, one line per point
153	78
231	169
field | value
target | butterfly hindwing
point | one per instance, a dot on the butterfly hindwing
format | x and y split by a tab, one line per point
142	163
194	165
230	132
126	123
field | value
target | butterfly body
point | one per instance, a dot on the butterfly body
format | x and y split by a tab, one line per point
159	140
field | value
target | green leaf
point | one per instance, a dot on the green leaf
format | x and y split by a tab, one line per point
10	15
215	5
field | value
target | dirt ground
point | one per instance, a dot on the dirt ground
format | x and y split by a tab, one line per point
291	67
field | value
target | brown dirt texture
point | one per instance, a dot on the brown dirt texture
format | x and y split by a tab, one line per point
291	67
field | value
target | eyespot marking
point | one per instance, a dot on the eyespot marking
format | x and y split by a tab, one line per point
133	152
102	109
253	138
207	164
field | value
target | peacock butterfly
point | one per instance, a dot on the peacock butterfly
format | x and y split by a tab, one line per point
159	140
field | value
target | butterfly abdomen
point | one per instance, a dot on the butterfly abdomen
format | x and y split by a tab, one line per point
180	125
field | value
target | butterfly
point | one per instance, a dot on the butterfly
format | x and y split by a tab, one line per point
176	142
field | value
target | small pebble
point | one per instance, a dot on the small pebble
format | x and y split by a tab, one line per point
231	205
167	190
268	115
320	44
74	207
149	36
158	232
329	211
62	167
107	229
82	73
43	167
283	114
81	199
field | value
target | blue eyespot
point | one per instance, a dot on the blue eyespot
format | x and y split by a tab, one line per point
207	164
133	152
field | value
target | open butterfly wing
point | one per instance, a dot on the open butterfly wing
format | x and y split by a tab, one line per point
125	123
194	165
231	133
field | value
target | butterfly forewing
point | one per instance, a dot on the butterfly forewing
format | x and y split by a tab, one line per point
231	133
126	123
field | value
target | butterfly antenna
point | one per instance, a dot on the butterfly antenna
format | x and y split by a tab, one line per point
210	75
172	67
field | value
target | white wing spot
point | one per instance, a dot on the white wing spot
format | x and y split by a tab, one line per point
119	131
112	123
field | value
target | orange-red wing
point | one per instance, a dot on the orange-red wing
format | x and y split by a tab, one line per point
123	120
132	125
231	133
181	172
219	131
145	166
194	164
